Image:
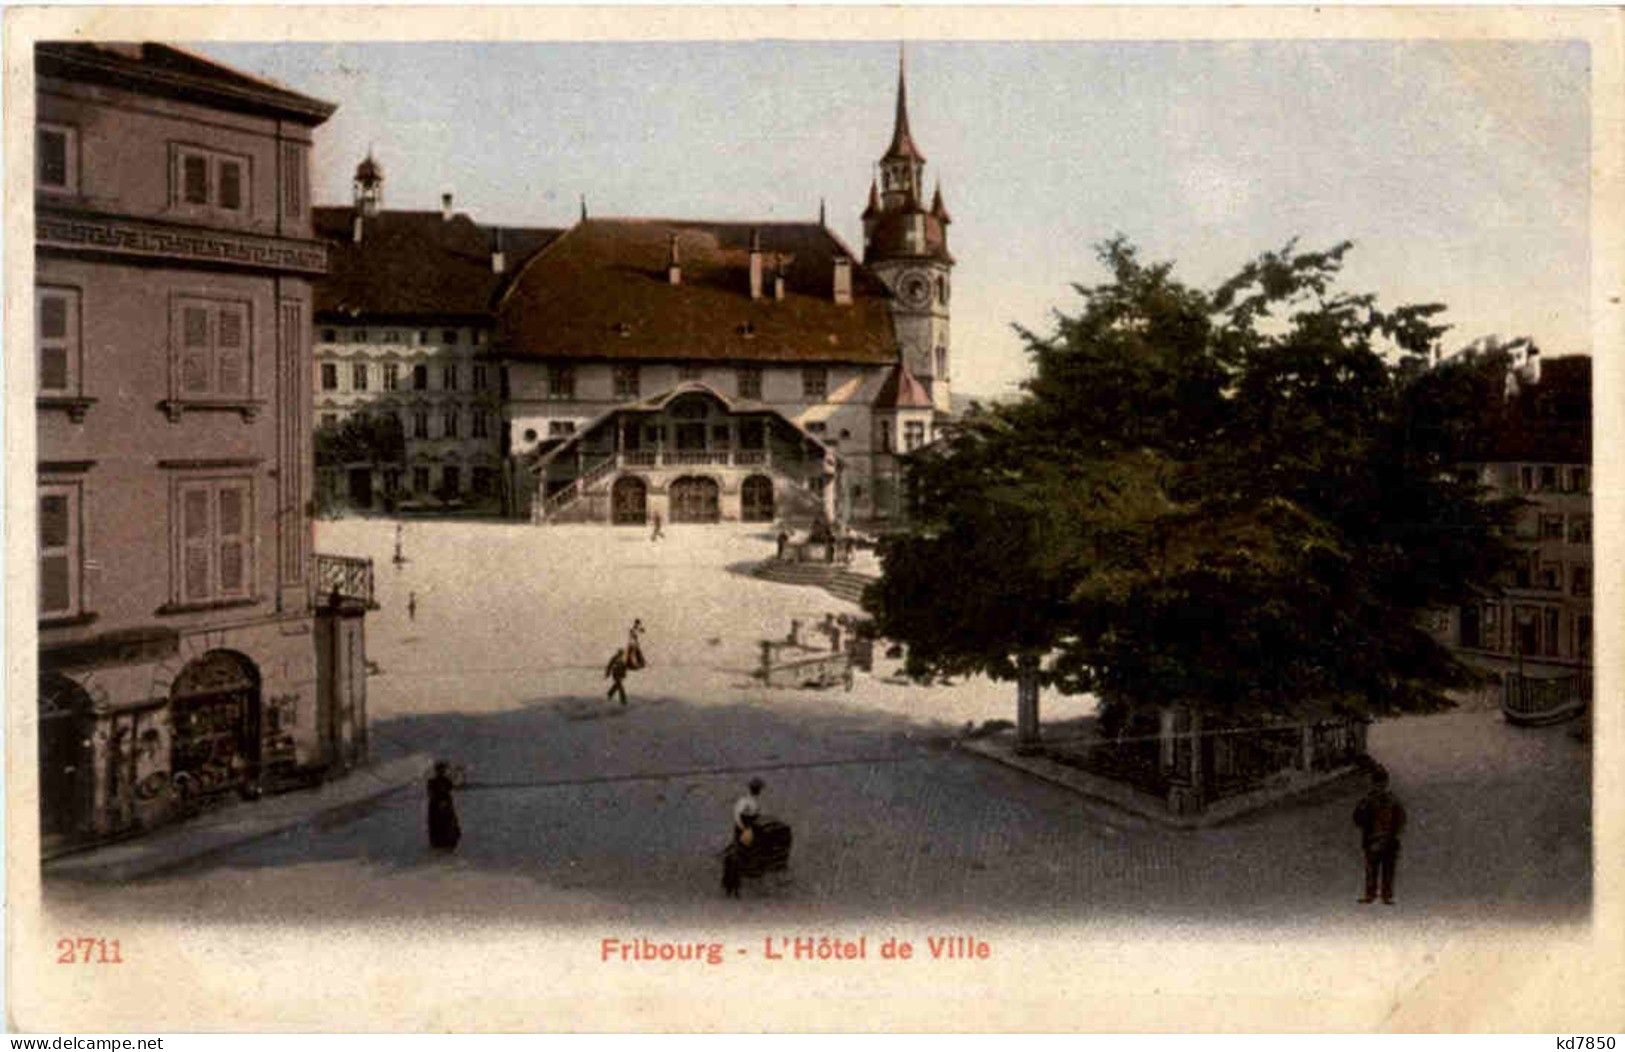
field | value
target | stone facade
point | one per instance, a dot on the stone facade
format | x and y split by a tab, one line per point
172	317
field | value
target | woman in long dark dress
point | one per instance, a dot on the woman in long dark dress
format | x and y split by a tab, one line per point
444	830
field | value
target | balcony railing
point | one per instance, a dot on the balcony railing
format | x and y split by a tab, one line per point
347	577
689	458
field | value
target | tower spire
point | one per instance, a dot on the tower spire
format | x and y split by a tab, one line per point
902	142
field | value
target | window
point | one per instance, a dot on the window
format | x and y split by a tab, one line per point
1580	529
1523	570
815	427
212	358
913	434
330	335
56	157
60	558
448	378
719	436
215	550
1548	477
420	479
752	434
482	378
56	320
883	436
423	337
1581	576
330	376
1582	637
1579	480
448	423
1526	479
479	424
358	376
1551	527
451	480
530	434
688	371
392	337
1551	576
358	336
449	337
626	381
420	377
392	376
1549	622
942	363
561	381
749	379
420	423
392	480
484	481
814	382
476	337
561	428
208	179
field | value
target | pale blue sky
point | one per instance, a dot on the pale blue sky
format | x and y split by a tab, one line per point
1460	169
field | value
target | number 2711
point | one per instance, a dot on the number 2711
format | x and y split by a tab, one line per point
88	951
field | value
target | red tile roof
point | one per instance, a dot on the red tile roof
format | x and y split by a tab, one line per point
602	291
416	265
902	391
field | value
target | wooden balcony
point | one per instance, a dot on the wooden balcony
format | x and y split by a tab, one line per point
347	577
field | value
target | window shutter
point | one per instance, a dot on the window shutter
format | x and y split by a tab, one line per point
194	349
231	351
56	554
233	527
195	543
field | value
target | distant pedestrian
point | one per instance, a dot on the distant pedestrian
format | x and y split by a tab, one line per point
634	648
658	533
412	606
1381	818
784	539
616	671
444	830
747	811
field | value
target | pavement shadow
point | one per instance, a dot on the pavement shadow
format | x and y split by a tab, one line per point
583	812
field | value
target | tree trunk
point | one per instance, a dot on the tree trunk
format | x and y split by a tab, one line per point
1027	732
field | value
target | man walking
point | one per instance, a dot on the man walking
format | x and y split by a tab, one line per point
616	671
1381	818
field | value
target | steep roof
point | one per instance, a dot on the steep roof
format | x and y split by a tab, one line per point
902	143
162	69
891	238
602	291
902	391
416	265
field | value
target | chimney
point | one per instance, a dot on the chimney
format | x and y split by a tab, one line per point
674	267
499	258
778	278
445	207
843	280
355	228
755	264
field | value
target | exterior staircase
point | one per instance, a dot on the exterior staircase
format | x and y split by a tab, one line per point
837	581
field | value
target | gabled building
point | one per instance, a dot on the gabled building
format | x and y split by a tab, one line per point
404	320
183	616
711	371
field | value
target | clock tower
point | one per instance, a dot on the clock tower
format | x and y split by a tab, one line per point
905	243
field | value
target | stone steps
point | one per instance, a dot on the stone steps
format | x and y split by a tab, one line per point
843	584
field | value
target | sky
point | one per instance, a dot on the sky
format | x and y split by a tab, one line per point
1460	169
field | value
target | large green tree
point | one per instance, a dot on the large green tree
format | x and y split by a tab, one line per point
1239	500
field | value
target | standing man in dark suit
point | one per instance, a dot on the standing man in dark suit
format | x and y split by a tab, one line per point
1381	818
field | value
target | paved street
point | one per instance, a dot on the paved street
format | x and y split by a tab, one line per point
581	810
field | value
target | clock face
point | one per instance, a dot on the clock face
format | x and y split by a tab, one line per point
914	289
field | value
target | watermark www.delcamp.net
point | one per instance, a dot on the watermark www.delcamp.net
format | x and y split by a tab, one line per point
89	1044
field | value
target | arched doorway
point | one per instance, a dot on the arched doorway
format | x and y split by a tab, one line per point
67	772
695	500
629	501
214	707
756	499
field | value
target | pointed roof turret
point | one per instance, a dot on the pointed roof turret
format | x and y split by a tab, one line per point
901	391
874	201
902	143
938	209
368	171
